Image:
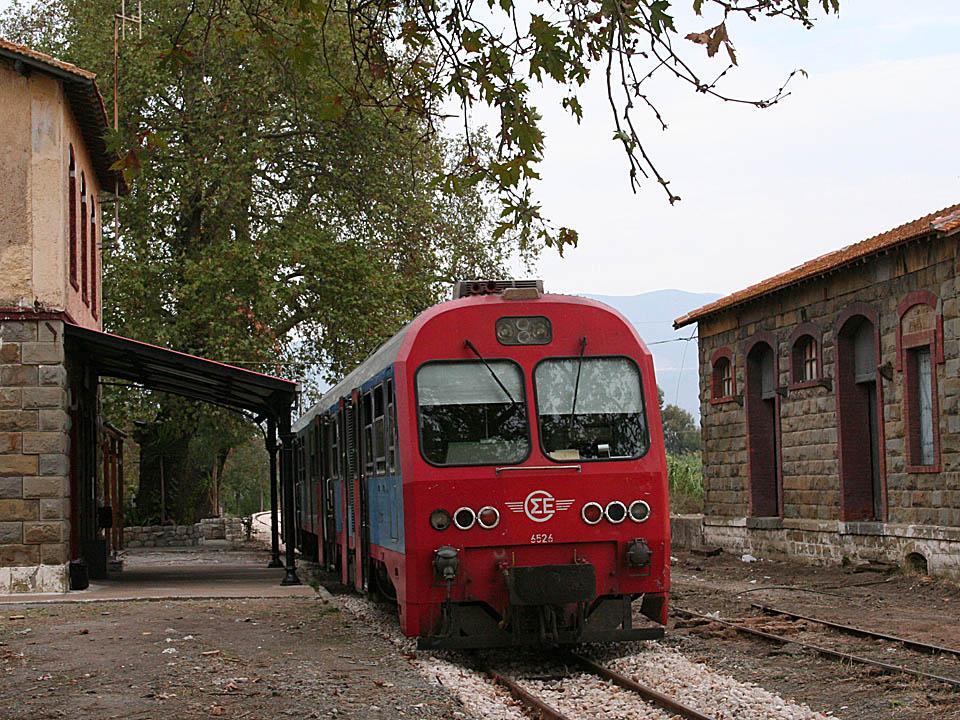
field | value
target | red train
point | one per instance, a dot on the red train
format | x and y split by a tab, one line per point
498	468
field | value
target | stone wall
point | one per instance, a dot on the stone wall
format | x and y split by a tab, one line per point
808	419
918	504
34	460
160	536
223	528
228	529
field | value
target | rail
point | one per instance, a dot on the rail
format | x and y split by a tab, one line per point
545	711
824	652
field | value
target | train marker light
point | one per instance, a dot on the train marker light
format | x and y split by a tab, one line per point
592	513
616	512
440	519
488	517
464	518
639	511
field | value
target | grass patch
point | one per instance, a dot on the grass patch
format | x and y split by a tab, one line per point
686	483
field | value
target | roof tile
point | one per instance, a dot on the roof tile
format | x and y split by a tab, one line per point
941	222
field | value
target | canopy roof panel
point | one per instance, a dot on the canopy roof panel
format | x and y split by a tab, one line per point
189	376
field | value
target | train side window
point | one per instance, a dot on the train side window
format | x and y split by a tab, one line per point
379	440
334	429
367	421
391	428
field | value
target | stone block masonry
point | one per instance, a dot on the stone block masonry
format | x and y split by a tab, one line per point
34	457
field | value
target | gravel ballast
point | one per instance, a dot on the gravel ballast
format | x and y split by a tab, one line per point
581	695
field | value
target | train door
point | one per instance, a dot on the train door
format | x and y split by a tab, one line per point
349	427
331	478
362	403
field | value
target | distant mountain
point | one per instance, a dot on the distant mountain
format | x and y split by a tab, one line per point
653	314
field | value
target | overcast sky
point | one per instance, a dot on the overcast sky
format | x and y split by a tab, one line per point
870	140
867	142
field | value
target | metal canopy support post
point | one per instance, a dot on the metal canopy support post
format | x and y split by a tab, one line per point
286	479
274	519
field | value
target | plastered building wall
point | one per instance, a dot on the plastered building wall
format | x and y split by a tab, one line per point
38	132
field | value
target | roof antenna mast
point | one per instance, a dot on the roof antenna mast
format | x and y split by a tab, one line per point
120	21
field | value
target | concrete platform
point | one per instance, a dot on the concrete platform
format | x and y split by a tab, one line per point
194	573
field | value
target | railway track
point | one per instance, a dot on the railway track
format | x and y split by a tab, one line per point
819	636
546	709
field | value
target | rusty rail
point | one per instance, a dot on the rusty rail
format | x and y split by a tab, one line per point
861	632
647	693
825	652
531	701
544	711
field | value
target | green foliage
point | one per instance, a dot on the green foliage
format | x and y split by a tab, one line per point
686	483
274	220
419	57
681	436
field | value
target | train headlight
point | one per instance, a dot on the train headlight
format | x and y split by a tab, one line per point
533	330
616	511
488	517
464	518
639	511
591	513
440	519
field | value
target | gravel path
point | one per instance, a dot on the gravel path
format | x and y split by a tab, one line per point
582	695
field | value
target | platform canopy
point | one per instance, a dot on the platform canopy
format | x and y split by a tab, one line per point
197	378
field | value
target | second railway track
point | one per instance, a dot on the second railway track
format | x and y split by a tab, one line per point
845	644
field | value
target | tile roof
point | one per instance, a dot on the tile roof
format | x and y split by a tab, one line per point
85	100
942	222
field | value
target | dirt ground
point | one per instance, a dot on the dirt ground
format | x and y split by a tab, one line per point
909	606
225	657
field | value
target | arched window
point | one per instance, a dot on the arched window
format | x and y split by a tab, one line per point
805	359
806	356
94	255
723	385
84	267
72	210
919	351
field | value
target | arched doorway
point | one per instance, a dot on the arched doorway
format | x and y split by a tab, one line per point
858	420
763	430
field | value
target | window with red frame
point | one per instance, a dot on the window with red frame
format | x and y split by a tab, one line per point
72	209
722	378
920	416
94	275
84	267
804	359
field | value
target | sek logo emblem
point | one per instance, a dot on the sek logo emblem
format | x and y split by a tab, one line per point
540	506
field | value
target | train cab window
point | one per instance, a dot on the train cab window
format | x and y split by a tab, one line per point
472	413
591	409
379	427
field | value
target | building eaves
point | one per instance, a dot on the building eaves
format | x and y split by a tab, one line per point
86	102
942	222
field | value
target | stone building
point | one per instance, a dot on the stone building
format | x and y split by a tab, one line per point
56	169
830	404
58	492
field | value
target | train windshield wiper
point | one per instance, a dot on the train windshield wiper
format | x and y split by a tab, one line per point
576	385
473	349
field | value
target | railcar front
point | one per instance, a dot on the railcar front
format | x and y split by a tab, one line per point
534	475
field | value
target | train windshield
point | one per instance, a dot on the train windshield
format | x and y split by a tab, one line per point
591	408
472	412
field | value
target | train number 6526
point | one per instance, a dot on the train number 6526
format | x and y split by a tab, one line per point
540	538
